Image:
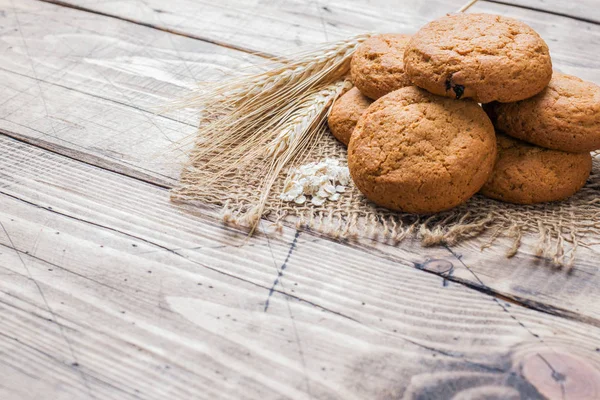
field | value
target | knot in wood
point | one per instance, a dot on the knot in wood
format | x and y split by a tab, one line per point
438	266
559	375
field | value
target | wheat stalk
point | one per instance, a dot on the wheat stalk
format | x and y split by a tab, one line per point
242	117
302	119
251	105
468	5
297	135
306	68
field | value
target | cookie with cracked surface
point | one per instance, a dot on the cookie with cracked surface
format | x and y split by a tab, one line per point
529	174
480	56
417	152
564	116
377	66
345	114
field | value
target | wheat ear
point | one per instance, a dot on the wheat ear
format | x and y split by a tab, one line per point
468	5
254	125
297	135
302	119
265	120
251	105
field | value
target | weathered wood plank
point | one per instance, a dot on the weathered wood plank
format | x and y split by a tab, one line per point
92	87
524	279
127	63
271	26
284	25
586	10
114	136
129	296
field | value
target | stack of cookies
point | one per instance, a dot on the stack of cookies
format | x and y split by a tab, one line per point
419	141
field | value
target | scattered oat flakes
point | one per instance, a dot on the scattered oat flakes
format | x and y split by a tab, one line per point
321	181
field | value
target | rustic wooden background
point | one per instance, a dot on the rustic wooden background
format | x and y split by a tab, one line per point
109	291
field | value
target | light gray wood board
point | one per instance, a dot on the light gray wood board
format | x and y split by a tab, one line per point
135	65
580	9
98	128
82	83
109	290
284	25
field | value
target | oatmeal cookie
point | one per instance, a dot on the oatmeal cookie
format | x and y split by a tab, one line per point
417	152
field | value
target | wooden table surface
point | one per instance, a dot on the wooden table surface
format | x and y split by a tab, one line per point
109	291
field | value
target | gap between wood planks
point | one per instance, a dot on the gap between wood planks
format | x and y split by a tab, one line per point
557	13
89	159
165	29
477	286
167	183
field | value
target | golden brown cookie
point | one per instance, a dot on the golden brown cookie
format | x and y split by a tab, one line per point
528	174
482	56
416	152
345	114
564	116
377	66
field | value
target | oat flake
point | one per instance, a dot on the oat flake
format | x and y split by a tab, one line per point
320	181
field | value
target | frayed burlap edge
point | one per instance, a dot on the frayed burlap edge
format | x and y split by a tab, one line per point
559	228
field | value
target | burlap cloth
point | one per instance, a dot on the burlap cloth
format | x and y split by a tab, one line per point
559	228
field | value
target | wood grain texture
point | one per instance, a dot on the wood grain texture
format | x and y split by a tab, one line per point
137	299
585	10
271	27
284	25
94	87
110	291
73	105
